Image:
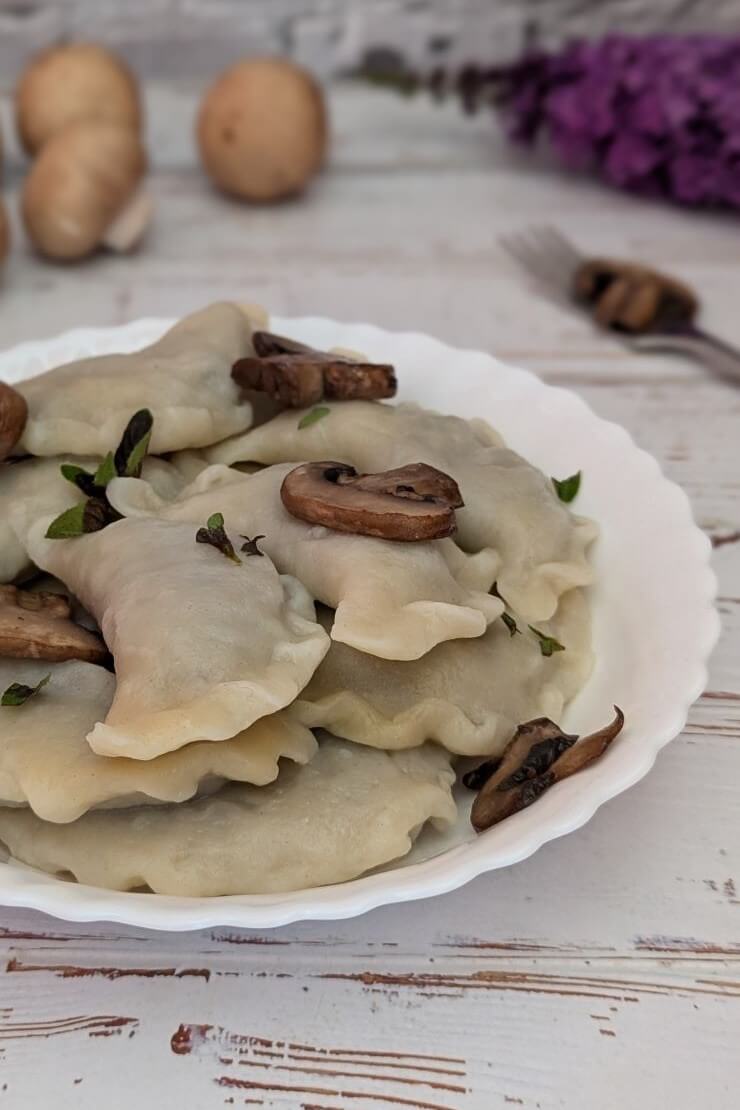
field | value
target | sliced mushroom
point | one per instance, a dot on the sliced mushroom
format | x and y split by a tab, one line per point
294	381
633	298
13	415
539	755
412	503
299	376
38	626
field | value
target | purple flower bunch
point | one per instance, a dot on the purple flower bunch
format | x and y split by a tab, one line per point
657	115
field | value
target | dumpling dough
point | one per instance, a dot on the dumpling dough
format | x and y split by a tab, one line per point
468	695
395	600
202	647
34	488
348	810
509	505
184	379
46	763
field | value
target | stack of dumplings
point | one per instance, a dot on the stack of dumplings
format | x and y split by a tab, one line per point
275	704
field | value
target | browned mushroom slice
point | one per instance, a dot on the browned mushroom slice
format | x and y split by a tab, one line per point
539	755
630	297
411	503
299	376
13	414
38	626
292	380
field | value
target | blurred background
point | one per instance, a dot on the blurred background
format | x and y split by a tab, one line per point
394	208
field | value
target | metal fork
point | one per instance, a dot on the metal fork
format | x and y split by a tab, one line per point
553	261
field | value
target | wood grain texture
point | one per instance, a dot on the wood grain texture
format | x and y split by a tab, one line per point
604	972
179	38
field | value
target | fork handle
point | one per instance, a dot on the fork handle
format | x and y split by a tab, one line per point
721	358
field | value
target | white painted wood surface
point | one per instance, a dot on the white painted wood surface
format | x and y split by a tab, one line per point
184	38
604	972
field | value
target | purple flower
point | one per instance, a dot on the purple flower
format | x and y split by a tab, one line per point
658	115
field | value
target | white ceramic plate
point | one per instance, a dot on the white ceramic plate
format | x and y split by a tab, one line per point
655	623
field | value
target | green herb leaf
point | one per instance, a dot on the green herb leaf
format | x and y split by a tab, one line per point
214	533
89	516
250	547
17	693
74	473
311	417
67	524
568	488
106	472
511	624
132	449
548	644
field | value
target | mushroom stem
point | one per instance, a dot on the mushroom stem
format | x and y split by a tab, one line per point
130	224
38	626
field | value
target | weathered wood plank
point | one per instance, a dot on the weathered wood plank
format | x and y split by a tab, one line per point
175	38
604	971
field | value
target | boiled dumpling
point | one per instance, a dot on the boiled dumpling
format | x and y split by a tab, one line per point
510	506
468	695
202	647
184	379
350	809
46	763
35	488
394	600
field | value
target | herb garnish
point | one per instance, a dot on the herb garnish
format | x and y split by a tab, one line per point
567	488
17	693
511	624
131	451
126	462
250	547
214	533
548	644
311	417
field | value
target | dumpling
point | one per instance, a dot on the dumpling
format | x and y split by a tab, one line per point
35	488
468	695
509	505
395	600
46	763
348	810
184	379
202	647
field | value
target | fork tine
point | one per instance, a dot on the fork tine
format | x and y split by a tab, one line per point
531	258
547	257
547	262
559	250
566	250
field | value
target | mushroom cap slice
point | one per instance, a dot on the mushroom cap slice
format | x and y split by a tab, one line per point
411	503
13	415
38	626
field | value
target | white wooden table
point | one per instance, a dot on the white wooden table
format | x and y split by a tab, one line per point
605	971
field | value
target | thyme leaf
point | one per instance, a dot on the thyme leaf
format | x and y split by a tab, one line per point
567	488
250	547
548	644
18	693
214	534
313	416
